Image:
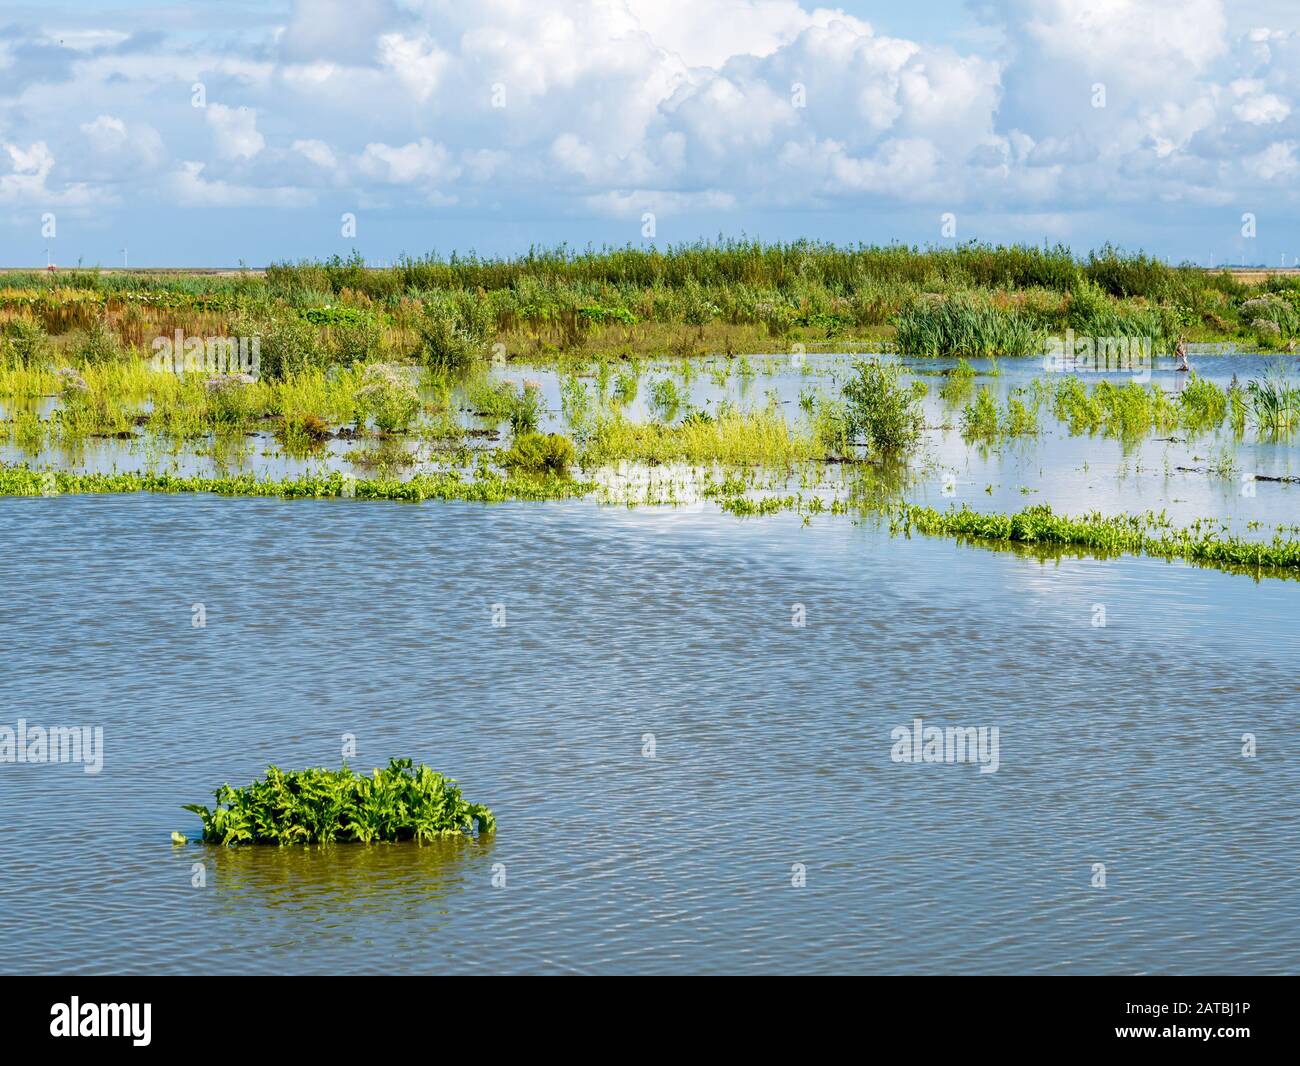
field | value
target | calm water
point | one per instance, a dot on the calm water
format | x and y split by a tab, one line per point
1118	745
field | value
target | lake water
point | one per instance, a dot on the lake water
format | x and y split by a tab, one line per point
1119	744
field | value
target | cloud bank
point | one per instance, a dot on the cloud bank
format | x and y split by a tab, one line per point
1070	117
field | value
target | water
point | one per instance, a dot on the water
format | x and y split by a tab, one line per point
1189	477
1119	744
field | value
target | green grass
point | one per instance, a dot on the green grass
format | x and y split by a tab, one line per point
322	806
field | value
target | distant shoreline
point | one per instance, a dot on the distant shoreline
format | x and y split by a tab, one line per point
1247	275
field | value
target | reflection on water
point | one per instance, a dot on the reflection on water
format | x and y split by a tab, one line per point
338	879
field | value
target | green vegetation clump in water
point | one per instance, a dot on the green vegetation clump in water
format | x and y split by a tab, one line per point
539	453
1134	534
983	421
486	487
881	410
761	437
321	806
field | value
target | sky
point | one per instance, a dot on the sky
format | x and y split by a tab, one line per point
219	133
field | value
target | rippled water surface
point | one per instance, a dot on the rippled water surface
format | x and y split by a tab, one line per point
1119	744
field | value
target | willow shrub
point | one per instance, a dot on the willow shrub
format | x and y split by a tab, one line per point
320	806
879	408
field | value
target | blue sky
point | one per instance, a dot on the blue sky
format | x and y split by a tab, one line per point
213	133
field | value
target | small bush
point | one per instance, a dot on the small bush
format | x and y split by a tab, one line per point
24	340
388	397
289	345
356	341
453	337
229	398
98	344
538	453
879	408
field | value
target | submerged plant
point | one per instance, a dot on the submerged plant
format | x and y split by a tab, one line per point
320	806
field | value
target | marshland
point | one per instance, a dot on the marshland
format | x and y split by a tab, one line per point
650	551
801	376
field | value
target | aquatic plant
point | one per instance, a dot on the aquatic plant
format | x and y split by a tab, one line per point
1131	410
665	398
1275	403
230	400
1203	403
958	382
482	487
761	437
539	453
961	327
525	408
388	397
575	404
881	409
979	420
1148	534
318	806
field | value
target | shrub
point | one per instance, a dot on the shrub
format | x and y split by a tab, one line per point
387	396
24	340
356	340
97	344
601	316
320	806
289	345
879	408
538	453
452	337
229	398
